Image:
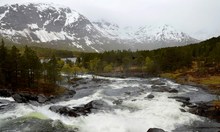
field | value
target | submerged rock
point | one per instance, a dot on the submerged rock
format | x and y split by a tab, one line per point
155	130
118	102
34	124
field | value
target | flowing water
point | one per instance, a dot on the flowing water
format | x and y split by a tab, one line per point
126	109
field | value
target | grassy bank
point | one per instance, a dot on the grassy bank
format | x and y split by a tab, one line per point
210	82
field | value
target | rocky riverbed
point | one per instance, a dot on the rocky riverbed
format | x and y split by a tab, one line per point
108	104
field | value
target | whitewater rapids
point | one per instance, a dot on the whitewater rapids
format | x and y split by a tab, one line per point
136	112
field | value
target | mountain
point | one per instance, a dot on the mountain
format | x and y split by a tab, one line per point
61	27
145	37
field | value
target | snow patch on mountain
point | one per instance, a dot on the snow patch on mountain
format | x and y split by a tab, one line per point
72	17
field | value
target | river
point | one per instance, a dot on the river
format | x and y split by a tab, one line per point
126	107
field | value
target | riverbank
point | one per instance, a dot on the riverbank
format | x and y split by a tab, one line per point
41	94
211	83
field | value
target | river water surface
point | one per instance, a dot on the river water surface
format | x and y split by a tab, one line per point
127	108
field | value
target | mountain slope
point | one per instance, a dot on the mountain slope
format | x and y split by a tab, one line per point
46	23
61	27
147	37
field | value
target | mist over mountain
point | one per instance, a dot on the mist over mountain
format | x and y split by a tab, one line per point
62	27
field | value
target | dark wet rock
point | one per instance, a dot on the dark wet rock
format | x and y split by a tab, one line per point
206	109
34	124
63	110
118	102
180	98
66	96
184	100
27	97
173	91
150	96
155	130
97	104
182	110
128	93
192	106
156	88
35	103
134	100
81	110
18	98
41	98
157	82
5	93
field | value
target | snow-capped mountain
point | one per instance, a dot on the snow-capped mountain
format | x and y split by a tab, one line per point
49	23
63	27
145	37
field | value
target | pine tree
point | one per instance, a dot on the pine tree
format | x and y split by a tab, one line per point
3	63
31	66
53	70
14	61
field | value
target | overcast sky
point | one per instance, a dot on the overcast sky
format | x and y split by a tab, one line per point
198	18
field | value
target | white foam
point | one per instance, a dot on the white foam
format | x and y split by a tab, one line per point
134	116
7	98
160	112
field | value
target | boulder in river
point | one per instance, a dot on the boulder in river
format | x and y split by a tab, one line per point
27	97
63	110
156	88
19	99
207	109
41	98
80	110
184	100
155	130
172	90
150	96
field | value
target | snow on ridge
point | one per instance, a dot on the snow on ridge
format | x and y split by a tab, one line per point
3	14
160	33
149	33
113	31
71	17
